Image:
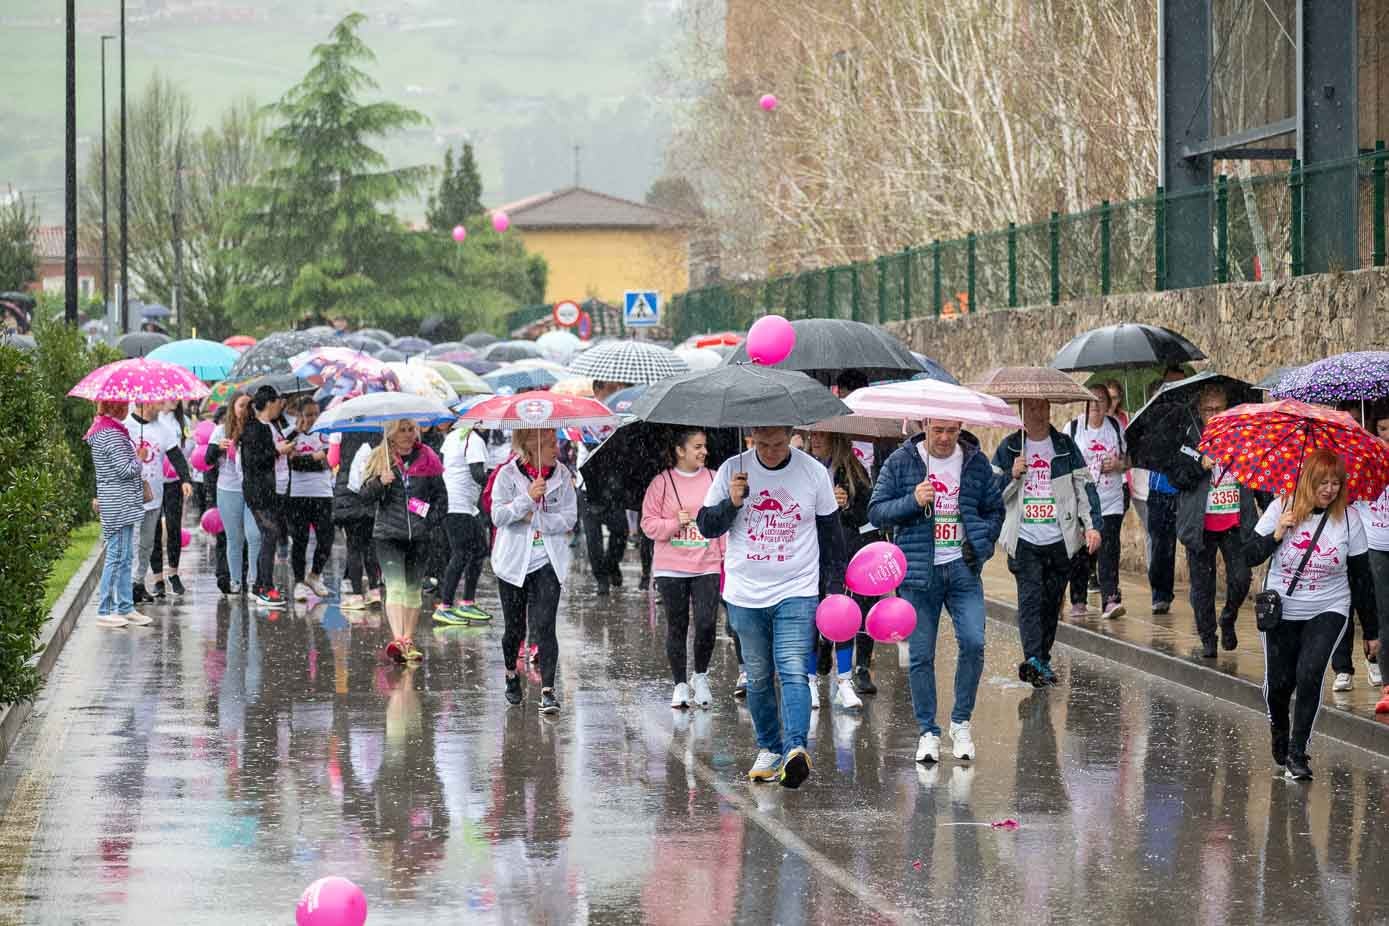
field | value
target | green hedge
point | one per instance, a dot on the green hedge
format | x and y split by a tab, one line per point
46	486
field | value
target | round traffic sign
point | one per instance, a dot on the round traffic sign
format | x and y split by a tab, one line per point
567	313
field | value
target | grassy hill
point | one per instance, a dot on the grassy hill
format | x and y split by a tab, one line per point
525	80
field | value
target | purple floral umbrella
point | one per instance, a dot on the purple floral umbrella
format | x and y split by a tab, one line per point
1362	376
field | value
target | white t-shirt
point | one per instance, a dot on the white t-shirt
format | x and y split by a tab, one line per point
307	484
1325	583
1095	445
462	448
281	461
229	467
944	476
160	437
773	549
1375	516
1037	524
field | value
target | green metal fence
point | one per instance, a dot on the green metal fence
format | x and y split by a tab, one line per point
1113	248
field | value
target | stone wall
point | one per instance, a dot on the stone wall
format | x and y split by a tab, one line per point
1247	330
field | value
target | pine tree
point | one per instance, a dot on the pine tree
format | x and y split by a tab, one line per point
459	196
18	262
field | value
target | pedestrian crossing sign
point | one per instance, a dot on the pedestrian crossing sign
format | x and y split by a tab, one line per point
641	308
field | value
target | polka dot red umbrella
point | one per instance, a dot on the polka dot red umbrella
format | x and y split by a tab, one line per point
1263	446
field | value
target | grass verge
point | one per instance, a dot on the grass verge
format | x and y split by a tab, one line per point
80	543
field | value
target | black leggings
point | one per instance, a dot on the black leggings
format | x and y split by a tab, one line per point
361	555
303	514
467	550
1107	558
168	532
270	521
1296	654
678	593
534	603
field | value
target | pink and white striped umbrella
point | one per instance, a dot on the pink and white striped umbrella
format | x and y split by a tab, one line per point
139	380
919	399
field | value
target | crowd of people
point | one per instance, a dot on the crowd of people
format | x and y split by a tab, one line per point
767	535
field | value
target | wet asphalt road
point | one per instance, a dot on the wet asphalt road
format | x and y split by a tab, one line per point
205	769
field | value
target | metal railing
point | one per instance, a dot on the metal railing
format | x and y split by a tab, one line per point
1256	234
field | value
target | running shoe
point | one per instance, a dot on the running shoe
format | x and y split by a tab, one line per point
412	652
703	697
395	651
316	583
451	615
270	598
814	683
1383	706
961	740
767	766
1048	674
1229	639
863	682
374	594
928	748
176	585
1298	768
1079	609
136	619
473	612
1376	679
302	592
159	590
1113	609
681	696
1342	682
796	769
513	689
534	656
549	704
1031	672
111	621
740	689
353	603
845	695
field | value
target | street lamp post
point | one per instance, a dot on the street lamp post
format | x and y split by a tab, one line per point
125	205
105	230
70	188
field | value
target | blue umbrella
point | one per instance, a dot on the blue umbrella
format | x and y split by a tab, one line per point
206	360
371	412
621	402
155	310
933	370
520	380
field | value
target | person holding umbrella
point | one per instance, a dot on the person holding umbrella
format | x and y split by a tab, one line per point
120	501
1100	437
1053	511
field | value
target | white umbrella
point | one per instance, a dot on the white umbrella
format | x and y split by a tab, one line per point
558	345
699	358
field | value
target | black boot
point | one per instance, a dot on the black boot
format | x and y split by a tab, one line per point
863	682
1280	749
139	595
1298	768
1228	639
513	689
1208	647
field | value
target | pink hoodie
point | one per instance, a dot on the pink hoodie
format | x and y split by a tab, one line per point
679	550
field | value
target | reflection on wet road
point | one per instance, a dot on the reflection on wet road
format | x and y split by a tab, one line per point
206	769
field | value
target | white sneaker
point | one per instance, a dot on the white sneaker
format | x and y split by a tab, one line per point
353	603
302	592
316	583
961	740
113	621
235	588
136	619
1342	682
703	697
681	697
814	681
767	766
1376	678
928	748
846	696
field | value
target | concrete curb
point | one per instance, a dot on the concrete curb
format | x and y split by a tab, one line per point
1364	732
56	631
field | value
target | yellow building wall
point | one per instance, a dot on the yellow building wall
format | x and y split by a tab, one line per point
605	263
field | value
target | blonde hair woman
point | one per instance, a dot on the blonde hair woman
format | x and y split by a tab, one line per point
405	483
1317	528
534	508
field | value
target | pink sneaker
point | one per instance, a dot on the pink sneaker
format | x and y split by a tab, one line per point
1079	610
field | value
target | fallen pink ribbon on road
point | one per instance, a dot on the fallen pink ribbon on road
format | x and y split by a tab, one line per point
1008	824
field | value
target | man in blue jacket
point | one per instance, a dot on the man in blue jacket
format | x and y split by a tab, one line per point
939	496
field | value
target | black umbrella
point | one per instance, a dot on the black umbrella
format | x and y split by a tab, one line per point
480	339
446	347
619	469
1127	345
362	343
389	355
284	383
1158	430
378	334
271	354
139	343
411	345
742	396
825	346
509	351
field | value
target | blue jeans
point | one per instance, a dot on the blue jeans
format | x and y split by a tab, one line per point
115	592
240	525
958	589
776	638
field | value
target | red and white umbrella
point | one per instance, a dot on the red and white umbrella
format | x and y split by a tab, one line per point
540	409
139	380
920	399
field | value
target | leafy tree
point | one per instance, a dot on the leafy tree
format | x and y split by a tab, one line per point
176	167
19	264
459	196
675	194
317	220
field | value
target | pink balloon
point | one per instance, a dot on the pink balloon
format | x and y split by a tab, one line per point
770	340
203	432
212	521
331	901
838	618
500	221
184	537
891	620
768	102
459	233
198	459
170	473
876	569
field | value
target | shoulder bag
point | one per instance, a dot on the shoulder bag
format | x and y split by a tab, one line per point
1268	604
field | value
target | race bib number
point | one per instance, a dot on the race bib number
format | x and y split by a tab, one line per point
536	539
418	506
689	538
1223	500
949	532
1038	510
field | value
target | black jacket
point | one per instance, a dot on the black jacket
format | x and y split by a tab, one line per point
421	478
258	458
348	505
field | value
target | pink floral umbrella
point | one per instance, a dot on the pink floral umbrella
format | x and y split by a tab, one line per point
139	380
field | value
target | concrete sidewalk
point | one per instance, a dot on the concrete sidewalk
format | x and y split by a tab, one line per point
1168	646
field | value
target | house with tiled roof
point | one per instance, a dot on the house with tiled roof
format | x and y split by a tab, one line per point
50	249
599	246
